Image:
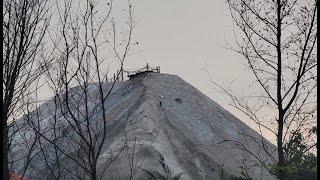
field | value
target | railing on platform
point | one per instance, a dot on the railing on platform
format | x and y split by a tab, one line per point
119	76
147	68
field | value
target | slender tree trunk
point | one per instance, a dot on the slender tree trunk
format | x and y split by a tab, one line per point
279	95
3	121
281	162
5	150
94	174
5	146
5	141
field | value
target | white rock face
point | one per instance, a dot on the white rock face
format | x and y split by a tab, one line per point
155	115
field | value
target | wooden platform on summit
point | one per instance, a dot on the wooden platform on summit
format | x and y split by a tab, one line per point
138	74
144	70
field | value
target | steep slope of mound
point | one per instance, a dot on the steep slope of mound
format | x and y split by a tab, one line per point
160	115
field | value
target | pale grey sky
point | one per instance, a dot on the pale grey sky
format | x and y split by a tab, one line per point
183	37
186	36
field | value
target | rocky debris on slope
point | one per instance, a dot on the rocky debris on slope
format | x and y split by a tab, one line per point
160	115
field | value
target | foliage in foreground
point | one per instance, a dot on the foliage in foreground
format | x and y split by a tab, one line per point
300	164
167	174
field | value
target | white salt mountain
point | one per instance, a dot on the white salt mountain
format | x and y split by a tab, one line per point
151	117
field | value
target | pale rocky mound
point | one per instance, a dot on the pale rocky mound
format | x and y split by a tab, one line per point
160	115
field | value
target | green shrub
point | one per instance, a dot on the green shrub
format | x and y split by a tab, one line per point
299	163
167	175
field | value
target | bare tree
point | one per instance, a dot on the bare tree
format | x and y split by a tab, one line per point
278	42
22	141
24	27
80	114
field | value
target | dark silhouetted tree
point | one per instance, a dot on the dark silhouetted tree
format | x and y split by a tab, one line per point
277	39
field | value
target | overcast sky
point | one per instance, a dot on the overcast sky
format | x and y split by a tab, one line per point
186	36
182	36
